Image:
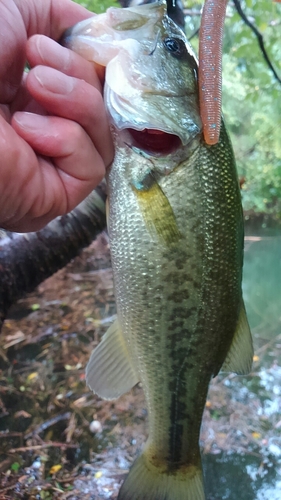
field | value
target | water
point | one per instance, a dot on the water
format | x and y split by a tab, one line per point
262	286
233	477
255	474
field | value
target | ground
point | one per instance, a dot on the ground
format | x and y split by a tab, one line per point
57	439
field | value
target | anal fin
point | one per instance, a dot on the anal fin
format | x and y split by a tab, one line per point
240	355
110	371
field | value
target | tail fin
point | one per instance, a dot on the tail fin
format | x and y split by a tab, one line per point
147	482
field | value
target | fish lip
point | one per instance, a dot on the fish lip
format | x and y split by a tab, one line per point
126	115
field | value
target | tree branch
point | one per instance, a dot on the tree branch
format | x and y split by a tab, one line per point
28	259
259	37
175	11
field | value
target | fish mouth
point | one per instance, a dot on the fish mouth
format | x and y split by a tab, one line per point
154	141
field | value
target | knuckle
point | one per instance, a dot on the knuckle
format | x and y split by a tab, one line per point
76	136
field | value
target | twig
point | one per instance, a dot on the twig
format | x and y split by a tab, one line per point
194	34
45	425
5	464
263	348
36	447
4	434
259	37
6	489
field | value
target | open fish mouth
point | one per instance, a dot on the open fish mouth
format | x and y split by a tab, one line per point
154	141
147	125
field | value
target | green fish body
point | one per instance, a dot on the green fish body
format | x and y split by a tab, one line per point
176	238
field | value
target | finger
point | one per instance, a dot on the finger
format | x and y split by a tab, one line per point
49	17
64	14
12	50
5	112
18	166
44	51
73	99
23	101
79	168
63	140
21	19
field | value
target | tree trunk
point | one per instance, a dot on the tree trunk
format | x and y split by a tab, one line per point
28	259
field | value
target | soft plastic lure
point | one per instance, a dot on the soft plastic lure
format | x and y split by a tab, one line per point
210	68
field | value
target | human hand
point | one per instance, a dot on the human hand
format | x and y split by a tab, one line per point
54	137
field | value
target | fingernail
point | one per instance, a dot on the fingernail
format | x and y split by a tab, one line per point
30	120
52	54
53	80
38	40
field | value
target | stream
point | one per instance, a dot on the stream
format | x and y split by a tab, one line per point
256	474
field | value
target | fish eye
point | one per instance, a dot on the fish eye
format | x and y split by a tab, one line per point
175	46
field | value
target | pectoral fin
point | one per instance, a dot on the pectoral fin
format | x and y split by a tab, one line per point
110	371
240	355
158	213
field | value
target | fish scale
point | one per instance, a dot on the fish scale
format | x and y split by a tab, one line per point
176	240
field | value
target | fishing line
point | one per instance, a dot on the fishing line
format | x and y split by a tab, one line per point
155	45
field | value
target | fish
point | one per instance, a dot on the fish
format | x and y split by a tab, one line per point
175	226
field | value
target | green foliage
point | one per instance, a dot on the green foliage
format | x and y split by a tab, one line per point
98	6
251	96
15	467
252	100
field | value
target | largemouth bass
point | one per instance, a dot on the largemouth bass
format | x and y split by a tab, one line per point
176	238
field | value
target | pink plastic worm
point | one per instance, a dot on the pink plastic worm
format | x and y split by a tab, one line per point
210	68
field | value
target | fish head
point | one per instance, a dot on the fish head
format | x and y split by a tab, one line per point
151	88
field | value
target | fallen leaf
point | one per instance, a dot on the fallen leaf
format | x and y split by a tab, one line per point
35	307
256	435
18	337
32	376
55	469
